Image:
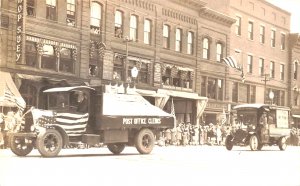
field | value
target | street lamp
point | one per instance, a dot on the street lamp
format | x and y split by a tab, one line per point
271	96
134	74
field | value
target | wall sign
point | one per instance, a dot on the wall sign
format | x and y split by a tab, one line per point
20	31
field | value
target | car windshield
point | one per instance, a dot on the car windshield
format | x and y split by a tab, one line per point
247	117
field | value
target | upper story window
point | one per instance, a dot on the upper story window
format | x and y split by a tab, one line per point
261	66
119	24
95	18
282	44
250	30
71	13
166	36
48	60
30	6
295	70
178	40
238	25
147	31
133	27
31	54
281	72
205	48
272	69
262	34
273	38
190	43
219	52
51	10
249	64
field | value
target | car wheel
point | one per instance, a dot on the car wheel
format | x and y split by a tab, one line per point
282	143
20	146
116	148
49	143
144	141
229	142
253	142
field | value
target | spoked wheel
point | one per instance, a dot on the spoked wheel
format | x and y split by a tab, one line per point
253	142
49	143
20	146
282	143
116	148
144	141
229	142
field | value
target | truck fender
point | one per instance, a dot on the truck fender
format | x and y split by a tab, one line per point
63	133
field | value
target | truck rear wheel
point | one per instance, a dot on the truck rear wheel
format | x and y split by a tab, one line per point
144	141
282	143
229	142
116	148
49	143
20	146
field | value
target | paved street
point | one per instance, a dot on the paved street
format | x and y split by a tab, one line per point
191	165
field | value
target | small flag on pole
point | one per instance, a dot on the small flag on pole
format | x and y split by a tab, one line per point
172	108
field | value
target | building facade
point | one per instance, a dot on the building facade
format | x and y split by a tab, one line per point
176	45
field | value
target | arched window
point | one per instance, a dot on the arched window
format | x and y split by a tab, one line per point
190	43
95	18
147	31
119	24
219	52
178	40
133	27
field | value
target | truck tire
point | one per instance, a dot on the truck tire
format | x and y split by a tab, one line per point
282	143
253	142
49	143
19	146
229	142
116	148
144	141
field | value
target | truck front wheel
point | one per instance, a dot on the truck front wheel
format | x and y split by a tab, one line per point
116	148
20	146
144	141
49	143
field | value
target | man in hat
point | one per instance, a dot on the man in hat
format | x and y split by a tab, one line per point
83	102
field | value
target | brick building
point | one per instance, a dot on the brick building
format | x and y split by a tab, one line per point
176	45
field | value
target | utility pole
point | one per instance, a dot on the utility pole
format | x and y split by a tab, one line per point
265	80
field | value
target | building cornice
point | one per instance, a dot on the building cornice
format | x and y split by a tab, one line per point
194	4
208	13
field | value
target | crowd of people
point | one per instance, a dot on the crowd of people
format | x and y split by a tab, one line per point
188	134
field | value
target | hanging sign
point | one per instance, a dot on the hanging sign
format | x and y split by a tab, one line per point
20	30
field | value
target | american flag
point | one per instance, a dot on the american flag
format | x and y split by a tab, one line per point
73	123
10	97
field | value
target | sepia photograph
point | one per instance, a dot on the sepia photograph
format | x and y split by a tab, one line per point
149	92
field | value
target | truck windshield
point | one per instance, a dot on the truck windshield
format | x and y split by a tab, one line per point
247	117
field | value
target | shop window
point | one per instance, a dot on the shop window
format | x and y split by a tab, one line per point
48	60
66	60
30	6
51	10
95	62
29	94
119	24
31	53
71	12
166	78
95	18
118	68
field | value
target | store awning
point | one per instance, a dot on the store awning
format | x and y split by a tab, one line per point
9	94
188	95
296	116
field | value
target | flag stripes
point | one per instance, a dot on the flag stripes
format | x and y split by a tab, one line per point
9	96
231	62
73	124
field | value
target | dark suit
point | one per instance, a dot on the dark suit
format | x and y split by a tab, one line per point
83	106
